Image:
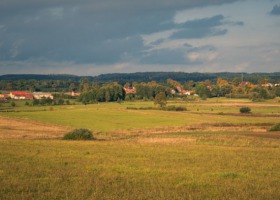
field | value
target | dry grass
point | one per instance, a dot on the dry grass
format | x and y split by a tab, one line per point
272	135
167	141
18	128
191	128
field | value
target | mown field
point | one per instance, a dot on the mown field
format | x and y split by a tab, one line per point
210	151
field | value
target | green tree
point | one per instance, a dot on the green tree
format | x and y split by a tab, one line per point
202	90
160	99
72	87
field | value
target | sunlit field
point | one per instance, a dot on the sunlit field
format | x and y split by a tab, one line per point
107	117
210	151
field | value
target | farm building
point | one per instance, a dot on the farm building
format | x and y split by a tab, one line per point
187	92
21	95
130	90
75	94
42	95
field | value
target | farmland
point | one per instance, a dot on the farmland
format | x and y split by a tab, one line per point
210	151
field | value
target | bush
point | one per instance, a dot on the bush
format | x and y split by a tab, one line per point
175	108
275	127
245	110
79	134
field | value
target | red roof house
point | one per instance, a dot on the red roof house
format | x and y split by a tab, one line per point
21	95
130	90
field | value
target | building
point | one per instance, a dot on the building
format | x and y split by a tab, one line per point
75	94
42	95
187	92
172	91
21	95
130	90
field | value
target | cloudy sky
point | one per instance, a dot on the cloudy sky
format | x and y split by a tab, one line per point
91	37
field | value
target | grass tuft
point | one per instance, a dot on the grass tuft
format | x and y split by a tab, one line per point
275	127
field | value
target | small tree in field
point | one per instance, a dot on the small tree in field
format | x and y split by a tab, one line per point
160	99
245	110
79	134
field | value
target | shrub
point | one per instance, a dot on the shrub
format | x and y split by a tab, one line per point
275	127
245	110
175	108
79	134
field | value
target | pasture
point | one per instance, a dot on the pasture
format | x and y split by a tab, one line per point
210	151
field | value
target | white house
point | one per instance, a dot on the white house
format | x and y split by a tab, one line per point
42	95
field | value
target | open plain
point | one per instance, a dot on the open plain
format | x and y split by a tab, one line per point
210	151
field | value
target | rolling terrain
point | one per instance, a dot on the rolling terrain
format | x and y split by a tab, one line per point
210	151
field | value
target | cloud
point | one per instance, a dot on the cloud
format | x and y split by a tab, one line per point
275	10
112	34
83	34
201	28
165	57
198	33
186	55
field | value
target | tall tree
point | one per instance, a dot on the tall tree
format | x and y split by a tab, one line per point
160	99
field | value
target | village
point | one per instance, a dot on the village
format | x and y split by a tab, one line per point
24	95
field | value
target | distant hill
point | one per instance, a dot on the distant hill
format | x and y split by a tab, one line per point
148	76
182	76
13	77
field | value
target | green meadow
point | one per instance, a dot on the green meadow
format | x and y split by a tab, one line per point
107	117
210	151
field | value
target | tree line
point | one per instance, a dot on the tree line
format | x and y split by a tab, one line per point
91	91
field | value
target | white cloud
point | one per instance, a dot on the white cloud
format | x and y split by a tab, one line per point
202	56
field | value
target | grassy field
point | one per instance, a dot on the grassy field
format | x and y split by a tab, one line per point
208	152
106	117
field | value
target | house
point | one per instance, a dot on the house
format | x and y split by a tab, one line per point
267	85
172	91
179	89
42	95
75	94
187	92
21	95
130	90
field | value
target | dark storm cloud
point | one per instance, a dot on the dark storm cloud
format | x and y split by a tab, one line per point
93	31
275	10
200	28
165	57
198	33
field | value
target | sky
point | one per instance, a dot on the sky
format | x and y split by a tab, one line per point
92	37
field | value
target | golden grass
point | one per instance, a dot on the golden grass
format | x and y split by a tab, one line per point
190	128
19	128
167	141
